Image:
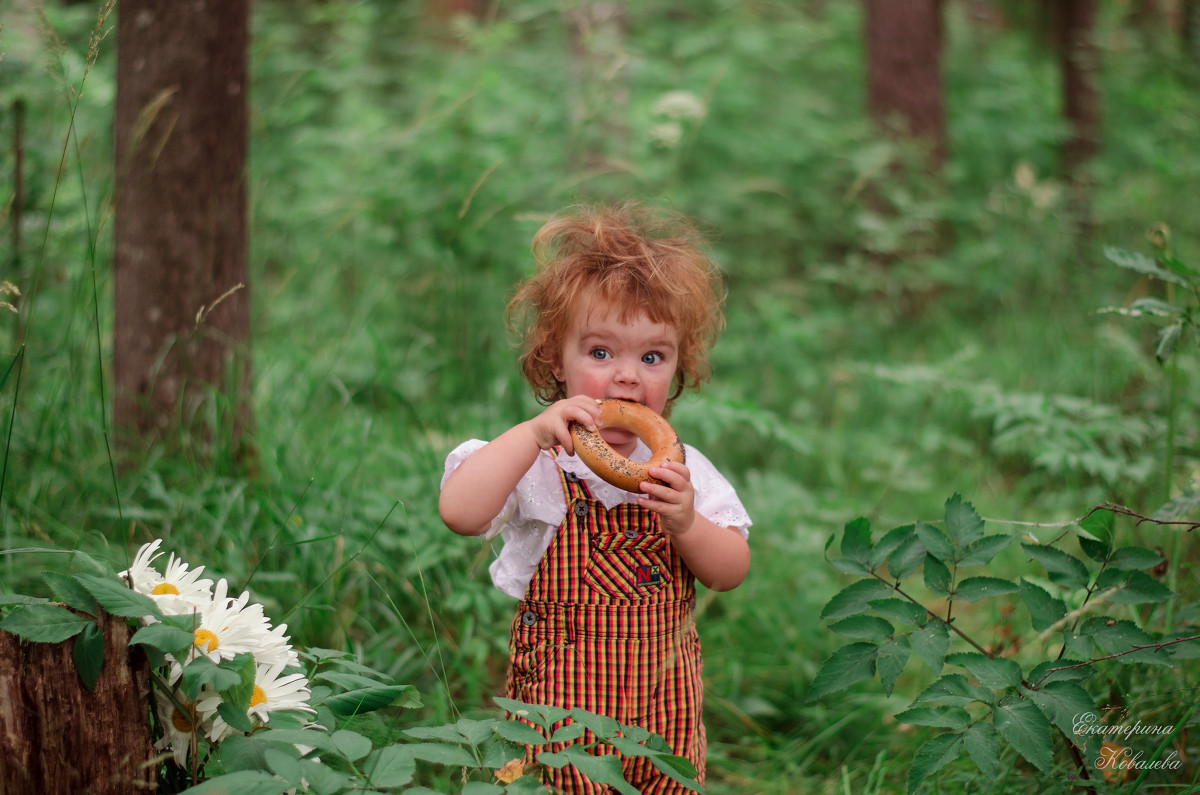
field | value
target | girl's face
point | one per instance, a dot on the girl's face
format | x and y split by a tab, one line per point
604	356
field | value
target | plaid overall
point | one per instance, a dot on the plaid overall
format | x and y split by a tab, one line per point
606	625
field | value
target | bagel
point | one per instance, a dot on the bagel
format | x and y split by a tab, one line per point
611	466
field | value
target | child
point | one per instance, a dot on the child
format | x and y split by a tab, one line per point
623	305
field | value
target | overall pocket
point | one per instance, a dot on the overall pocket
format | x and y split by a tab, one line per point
628	564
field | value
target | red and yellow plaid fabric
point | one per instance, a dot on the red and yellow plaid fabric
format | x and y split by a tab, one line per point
606	625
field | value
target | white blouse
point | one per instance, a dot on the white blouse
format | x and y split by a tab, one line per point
536	507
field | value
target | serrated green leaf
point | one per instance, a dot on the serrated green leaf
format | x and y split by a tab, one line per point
568	732
854	599
523	734
983	551
70	592
856	541
247	752
44	623
1027	730
476	731
1179	507
901	611
1134	559
907	558
235	717
318	739
963	524
1139	589
846	666
1099	524
993	672
936	543
283	761
1061	670
972	589
943	717
1062	568
239	693
352	745
851	567
243	782
1116	636
930	643
117	599
954	689
545	715
203	671
932	757
164	637
481	788
678	768
439	753
1140	263
937	576
447	734
1044	610
356	702
604	769
89	654
890	661
390	766
890	542
983	746
864	627
1062	702
599	725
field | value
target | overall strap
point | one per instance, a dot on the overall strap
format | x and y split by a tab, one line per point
573	486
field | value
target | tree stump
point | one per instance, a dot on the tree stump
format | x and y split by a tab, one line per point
56	736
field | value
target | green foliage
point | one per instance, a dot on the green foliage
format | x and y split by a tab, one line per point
1027	696
890	337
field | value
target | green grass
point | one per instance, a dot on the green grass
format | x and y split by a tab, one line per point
395	186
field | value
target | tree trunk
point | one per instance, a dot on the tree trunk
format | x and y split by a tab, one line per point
56	736
1079	62
182	322
904	77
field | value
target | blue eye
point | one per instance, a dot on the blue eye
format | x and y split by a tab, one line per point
599	353
652	358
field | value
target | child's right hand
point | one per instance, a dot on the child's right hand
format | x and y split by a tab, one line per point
553	426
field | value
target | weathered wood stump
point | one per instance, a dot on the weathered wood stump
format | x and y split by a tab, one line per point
56	736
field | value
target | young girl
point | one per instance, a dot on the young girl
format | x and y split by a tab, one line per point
623	305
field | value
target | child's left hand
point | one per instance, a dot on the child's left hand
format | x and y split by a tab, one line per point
675	502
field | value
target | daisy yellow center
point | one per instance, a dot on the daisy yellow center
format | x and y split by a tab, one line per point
181	721
258	697
165	587
205	637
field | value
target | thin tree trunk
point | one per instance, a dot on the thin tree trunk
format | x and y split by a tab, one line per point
904	77
1079	61
182	322
58	737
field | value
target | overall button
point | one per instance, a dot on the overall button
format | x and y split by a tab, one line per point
632	535
572	477
581	509
529	618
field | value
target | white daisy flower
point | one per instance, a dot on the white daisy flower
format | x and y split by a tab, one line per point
276	649
178	725
142	577
181	591
228	627
275	692
271	692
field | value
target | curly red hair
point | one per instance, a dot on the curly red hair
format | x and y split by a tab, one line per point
629	257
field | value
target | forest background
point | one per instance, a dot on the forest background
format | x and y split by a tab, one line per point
894	336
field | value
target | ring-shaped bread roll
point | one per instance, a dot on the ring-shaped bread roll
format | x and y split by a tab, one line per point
611	466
